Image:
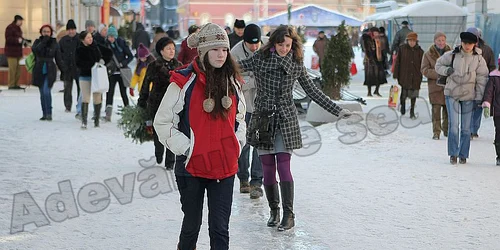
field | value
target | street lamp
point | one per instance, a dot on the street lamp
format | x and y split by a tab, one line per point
289	9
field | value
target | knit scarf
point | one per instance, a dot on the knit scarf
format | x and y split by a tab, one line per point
140	66
440	51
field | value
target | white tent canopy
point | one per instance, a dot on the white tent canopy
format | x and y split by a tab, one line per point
428	8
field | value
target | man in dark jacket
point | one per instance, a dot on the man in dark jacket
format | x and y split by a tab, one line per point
488	56
319	46
400	37
186	55
68	45
14	50
237	35
140	36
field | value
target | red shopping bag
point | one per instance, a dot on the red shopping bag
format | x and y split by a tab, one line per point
354	69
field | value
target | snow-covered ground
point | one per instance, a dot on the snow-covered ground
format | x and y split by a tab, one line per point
383	188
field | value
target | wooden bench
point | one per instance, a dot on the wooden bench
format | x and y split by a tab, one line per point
25	78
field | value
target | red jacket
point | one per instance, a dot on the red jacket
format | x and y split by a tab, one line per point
186	55
13	48
205	147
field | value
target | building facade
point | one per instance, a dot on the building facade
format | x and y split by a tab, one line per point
225	12
39	12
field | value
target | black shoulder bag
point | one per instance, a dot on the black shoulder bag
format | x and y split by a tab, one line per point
262	128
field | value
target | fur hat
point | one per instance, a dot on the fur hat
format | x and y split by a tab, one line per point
70	25
164	41
142	51
209	37
438	35
412	36
239	24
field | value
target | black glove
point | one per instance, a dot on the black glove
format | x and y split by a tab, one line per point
450	71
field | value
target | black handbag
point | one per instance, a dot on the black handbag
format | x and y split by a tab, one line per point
262	128
441	81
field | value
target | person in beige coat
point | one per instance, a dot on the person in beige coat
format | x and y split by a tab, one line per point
436	92
466	81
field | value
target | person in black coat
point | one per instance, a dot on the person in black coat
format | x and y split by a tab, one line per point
68	45
237	35
158	73
87	55
46	50
140	36
123	57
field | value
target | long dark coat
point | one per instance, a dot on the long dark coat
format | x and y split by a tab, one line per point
436	93
46	50
407	68
275	77
68	47
158	73
374	68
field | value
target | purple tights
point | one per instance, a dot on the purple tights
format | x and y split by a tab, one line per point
269	167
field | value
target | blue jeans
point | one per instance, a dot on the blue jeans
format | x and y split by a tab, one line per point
45	97
477	114
244	163
459	115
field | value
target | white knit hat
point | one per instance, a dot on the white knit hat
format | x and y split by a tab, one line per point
209	37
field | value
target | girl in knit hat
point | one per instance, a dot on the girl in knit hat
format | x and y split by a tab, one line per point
407	71
158	77
145	58
201	119
274	127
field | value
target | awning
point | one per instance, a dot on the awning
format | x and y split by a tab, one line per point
113	11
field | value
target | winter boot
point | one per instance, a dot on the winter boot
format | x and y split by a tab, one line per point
369	91
109	111
97	114
402	107
376	91
412	108
497	149
288	220
244	187
85	112
273	198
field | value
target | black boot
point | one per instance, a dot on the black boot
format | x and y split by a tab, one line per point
497	149
97	114
369	91
85	112
412	108
273	198
376	91
288	220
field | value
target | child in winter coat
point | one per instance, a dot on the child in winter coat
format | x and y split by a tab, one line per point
145	58
491	105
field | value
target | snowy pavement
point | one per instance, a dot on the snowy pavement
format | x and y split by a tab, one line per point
393	188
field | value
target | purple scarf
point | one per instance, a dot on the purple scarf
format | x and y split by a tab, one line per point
140	66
